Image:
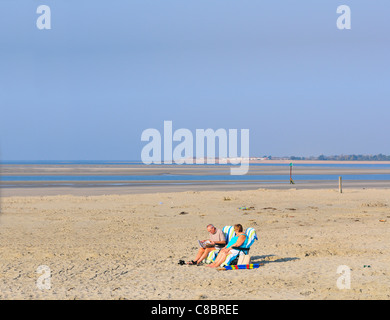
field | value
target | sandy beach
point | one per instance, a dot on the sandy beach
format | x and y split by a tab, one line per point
126	246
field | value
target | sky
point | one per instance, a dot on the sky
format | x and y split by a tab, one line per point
107	70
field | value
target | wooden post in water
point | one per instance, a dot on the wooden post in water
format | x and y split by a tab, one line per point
340	185
291	180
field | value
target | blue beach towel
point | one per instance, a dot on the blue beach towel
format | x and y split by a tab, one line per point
252	236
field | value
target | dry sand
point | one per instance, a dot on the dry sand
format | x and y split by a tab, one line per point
128	246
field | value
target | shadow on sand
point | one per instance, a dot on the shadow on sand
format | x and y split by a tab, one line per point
271	258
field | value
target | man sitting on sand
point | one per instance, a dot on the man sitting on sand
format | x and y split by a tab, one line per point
217	241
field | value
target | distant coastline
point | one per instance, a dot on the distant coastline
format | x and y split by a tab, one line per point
288	161
111	177
139	162
343	158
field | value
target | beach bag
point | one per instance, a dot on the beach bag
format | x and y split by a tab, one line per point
244	259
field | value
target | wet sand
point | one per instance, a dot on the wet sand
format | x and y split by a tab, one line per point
41	188
271	168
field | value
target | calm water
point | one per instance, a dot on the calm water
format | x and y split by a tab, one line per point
188	178
134	162
308	177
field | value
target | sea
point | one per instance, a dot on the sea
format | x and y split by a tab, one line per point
189	178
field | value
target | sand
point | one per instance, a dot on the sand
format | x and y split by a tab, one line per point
127	246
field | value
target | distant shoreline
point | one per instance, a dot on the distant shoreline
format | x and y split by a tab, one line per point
139	162
318	162
96	179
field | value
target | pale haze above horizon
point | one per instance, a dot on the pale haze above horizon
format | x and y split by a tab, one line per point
87	88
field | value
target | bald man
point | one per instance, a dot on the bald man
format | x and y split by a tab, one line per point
217	241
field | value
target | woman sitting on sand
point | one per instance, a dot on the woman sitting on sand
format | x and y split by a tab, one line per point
239	240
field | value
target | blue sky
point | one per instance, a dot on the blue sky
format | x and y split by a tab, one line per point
107	70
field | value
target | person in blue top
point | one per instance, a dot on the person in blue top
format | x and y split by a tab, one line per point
240	240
